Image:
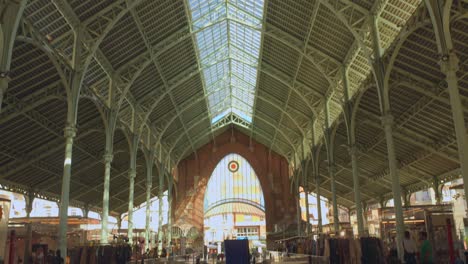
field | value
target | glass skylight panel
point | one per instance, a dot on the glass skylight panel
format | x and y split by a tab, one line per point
204	12
228	36
212	43
215	73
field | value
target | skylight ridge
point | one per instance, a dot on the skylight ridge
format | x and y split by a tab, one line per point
228	36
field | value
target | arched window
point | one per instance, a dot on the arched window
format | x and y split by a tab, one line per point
234	207
233	180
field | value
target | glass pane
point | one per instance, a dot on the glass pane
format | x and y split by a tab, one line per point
228	36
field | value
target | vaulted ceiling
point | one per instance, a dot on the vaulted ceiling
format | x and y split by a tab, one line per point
182	72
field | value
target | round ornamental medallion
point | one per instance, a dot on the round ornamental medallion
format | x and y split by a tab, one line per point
233	166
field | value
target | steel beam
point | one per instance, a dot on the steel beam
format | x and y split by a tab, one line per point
299	65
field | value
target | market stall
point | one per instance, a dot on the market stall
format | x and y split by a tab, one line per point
437	221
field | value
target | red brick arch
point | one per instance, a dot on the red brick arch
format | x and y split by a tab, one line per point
272	171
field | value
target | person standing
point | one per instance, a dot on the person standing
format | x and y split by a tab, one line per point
409	249
426	250
58	258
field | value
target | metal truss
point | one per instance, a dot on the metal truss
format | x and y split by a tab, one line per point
299	64
159	70
134	114
226	121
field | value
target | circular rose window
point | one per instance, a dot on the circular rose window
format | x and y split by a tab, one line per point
233	166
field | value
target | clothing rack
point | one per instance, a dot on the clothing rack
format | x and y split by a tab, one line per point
101	254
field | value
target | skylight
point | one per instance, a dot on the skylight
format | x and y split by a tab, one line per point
228	35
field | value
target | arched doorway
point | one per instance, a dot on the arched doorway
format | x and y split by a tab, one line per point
234	205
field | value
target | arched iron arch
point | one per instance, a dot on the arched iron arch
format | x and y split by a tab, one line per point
236	200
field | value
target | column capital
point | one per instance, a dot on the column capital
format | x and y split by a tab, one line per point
449	62
108	158
29	201
132	174
70	131
85	210
387	120
4	79
382	201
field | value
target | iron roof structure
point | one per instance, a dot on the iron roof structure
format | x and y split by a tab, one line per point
178	73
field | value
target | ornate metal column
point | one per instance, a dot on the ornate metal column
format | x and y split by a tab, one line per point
160	208
306	194
440	12
357	193
406	198
70	133
295	185
119	224
85	210
111	120
437	186
319	204
29	199
353	151
149	186
387	122
11	11
378	68
131	176
331	165
169	215
319	207
336	220
105	199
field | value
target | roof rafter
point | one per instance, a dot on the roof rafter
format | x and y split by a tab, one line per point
193	71
159	70
106	19
270	101
40	165
197	54
187	105
426	144
260	58
299	65
264	120
42	152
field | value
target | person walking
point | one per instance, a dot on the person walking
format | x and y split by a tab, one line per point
426	250
409	249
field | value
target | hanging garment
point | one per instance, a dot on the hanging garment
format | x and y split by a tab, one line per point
84	258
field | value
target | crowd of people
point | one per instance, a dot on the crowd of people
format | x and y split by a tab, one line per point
50	258
413	253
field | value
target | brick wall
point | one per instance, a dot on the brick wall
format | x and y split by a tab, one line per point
272	170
